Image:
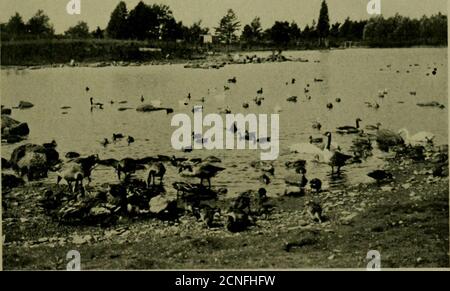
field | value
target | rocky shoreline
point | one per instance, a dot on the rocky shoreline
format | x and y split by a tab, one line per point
406	220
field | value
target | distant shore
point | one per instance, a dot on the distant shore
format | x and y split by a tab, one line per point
205	60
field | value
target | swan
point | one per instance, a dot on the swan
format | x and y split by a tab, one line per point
419	138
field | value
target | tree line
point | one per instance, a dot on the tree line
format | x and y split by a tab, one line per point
156	22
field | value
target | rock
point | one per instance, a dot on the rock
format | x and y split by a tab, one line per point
6	111
348	219
52	156
406	186
387	188
80	240
25	105
99	211
11	128
159	204
34	165
5	164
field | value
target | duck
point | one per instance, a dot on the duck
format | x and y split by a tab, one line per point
317	125
203	171
245	105
156	170
420	138
380	176
330	106
130	140
95	105
292	99
232	80
260	91
117	136
142	98
293	81
350	129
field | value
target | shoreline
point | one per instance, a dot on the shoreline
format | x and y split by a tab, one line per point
396	219
219	57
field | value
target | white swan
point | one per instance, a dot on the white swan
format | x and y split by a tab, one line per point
420	138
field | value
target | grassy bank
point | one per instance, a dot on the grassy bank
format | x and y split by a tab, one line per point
406	221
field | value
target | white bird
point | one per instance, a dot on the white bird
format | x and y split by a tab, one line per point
420	138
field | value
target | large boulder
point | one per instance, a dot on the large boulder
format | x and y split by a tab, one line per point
51	155
25	105
34	165
13	130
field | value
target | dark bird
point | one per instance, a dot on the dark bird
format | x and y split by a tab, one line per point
295	165
130	140
72	155
142	98
350	129
260	91
317	125
380	176
292	99
245	105
293	81
105	142
315	140
338	100
87	89
156	170
232	80
265	179
316	184
95	105
314	210
117	136
50	145
330	106
203	171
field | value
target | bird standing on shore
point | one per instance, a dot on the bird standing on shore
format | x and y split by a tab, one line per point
130	140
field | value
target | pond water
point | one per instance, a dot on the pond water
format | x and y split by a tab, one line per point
355	76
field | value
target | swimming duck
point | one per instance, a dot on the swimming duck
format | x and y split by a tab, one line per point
130	140
349	129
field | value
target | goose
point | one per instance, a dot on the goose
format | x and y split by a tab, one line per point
95	105
105	142
330	106
316	184
226	88
338	100
335	159
420	138
189	96
245	105
142	99
87	164
156	170
203	171
127	166
349	129
315	140
317	80
293	81
260	91
130	140
71	172
72	155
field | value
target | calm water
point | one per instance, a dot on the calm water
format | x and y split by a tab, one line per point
352	75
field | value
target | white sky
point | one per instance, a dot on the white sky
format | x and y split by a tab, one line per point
97	12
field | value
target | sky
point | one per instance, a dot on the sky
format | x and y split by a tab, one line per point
97	12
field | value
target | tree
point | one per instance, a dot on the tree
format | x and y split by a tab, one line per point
334	31
323	25
117	25
98	33
81	30
143	22
252	32
280	33
228	26
39	25
193	33
295	33
15	26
